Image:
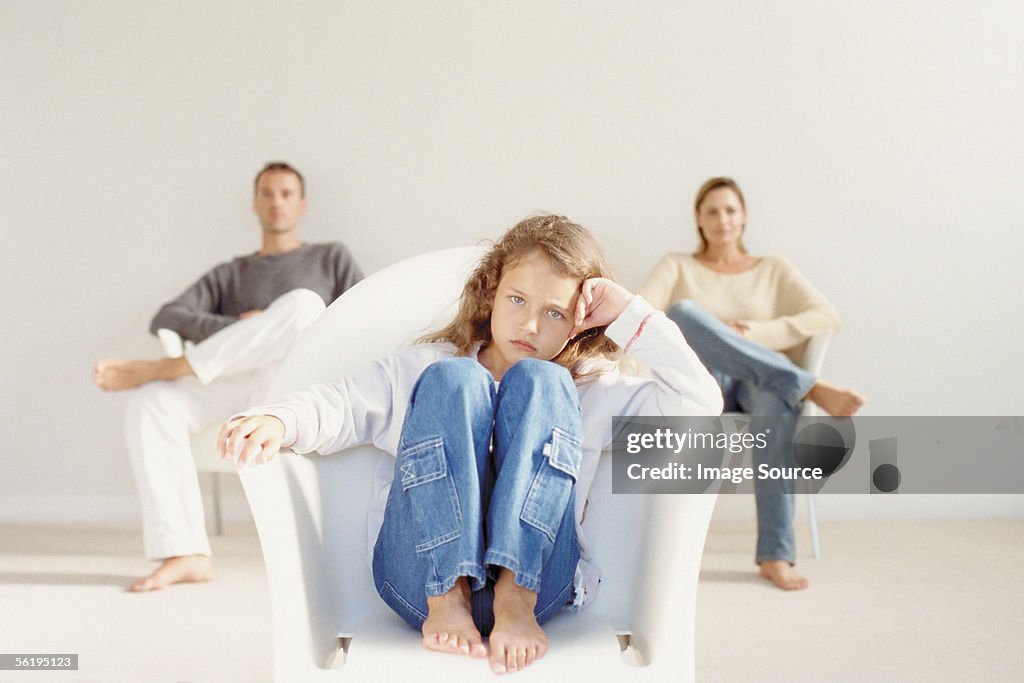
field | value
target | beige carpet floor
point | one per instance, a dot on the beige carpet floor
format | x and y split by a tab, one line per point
889	601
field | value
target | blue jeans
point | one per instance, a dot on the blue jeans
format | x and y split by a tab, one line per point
456	509
760	382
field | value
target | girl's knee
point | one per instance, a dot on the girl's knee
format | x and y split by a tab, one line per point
537	373
454	374
539	390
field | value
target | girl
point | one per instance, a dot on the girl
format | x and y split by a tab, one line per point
506	411
738	311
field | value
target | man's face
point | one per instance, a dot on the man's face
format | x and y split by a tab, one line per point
279	203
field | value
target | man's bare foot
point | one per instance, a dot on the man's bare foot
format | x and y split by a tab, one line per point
835	401
449	626
517	640
782	574
181	569
115	374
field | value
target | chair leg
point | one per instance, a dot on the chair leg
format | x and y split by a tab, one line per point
812	516
218	513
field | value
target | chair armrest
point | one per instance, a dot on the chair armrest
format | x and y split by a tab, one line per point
814	354
664	612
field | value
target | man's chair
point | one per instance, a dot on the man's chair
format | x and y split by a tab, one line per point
329	623
204	442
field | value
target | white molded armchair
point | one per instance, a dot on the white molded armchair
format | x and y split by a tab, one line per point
329	623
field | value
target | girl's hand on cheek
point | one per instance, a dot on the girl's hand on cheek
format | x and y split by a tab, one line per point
601	301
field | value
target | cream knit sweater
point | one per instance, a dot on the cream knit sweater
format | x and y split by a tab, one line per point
782	307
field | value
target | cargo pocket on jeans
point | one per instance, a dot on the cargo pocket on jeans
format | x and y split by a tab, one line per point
435	503
552	485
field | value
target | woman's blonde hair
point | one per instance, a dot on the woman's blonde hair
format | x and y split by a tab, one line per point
716	184
572	251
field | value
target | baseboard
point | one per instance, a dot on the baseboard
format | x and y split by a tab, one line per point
105	510
868	507
124	510
69	509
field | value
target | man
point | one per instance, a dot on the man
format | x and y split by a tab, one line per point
243	317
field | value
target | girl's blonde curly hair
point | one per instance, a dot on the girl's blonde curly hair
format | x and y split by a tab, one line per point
572	251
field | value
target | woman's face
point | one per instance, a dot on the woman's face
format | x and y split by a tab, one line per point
721	217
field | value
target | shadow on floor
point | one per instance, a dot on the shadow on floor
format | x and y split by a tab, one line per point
726	576
47	579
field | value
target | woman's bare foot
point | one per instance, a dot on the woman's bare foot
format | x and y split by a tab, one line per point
835	401
517	640
115	374
181	569
449	626
782	574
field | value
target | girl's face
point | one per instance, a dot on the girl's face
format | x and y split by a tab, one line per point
532	315
721	217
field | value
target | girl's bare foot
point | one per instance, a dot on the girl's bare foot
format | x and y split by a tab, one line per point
517	640
835	401
782	574
181	569
115	374
449	626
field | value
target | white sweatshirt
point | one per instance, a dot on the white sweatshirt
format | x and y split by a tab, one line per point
370	407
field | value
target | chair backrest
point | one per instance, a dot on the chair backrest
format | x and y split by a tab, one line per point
311	511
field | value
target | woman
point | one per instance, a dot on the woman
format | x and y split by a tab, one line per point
738	312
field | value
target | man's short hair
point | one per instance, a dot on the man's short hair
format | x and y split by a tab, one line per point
279	166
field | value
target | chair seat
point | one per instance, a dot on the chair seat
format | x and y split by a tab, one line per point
582	646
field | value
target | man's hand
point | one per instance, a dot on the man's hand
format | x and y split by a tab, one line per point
601	301
249	314
256	438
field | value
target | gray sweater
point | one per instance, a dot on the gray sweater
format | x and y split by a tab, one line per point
252	282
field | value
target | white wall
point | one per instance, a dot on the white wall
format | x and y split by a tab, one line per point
879	145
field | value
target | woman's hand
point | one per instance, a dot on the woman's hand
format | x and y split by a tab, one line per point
741	327
601	301
256	438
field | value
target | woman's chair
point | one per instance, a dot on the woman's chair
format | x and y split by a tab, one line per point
329	623
811	359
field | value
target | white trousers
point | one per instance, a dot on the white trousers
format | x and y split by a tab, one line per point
233	370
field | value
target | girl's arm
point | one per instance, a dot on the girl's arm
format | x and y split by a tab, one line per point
675	381
330	417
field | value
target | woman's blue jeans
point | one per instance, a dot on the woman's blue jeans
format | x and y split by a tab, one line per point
768	386
459	508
